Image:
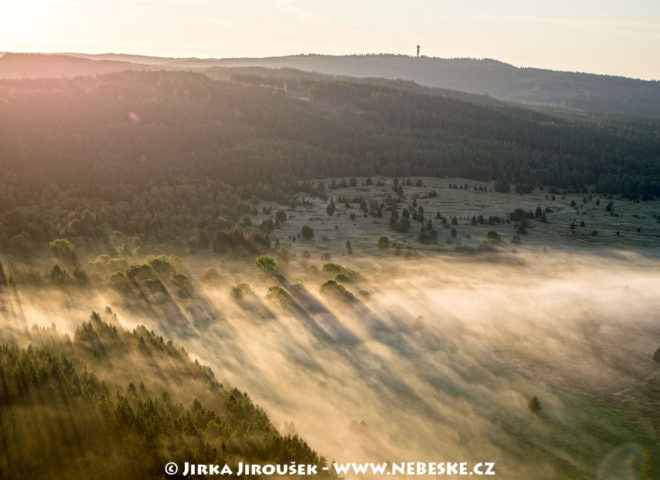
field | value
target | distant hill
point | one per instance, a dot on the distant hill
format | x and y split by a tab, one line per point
532	86
258	129
575	91
36	65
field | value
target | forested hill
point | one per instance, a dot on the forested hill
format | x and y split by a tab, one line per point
568	90
535	86
105	135
108	403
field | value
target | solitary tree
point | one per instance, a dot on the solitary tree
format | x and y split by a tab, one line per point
265	263
280	216
306	232
535	405
330	209
522	226
493	237
383	243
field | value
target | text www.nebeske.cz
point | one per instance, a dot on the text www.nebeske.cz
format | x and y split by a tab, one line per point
341	469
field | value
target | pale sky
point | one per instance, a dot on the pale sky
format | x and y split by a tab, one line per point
600	36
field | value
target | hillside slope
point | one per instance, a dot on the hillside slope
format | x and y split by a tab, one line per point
533	86
108	403
570	90
15	66
253	130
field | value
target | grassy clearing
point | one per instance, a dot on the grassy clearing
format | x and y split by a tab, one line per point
632	225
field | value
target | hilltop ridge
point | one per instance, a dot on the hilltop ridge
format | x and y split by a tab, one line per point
576	91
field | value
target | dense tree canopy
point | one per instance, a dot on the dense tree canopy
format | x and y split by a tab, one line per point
58	420
178	157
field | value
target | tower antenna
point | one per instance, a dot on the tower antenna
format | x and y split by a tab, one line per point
417	51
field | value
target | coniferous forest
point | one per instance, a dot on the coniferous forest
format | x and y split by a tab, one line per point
162	154
293	267
109	403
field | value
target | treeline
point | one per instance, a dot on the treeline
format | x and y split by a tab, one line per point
186	217
64	413
163	155
117	128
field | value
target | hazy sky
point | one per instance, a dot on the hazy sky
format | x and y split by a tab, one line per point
603	36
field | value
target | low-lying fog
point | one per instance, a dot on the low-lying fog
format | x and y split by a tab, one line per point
437	362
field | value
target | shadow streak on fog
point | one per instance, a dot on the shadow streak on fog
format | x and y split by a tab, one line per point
437	363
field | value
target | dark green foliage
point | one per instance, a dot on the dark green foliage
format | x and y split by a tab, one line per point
306	232
428	234
331	268
502	186
62	249
212	278
400	223
80	276
183	284
383	243
58	276
265	263
342	273
63	409
197	157
241	292
335	291
330	209
248	238
283	256
517	215
535	405
120	283
280	216
161	264
279	296
3	278
493	237
158	276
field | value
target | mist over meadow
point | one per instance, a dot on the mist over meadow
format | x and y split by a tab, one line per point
432	359
308	259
